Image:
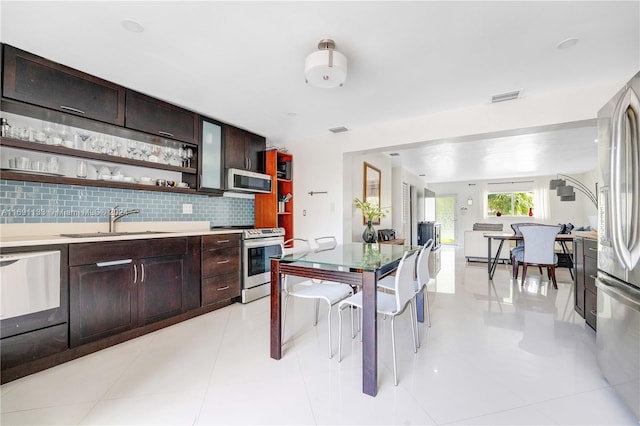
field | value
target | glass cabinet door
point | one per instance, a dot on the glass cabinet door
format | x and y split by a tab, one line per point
211	147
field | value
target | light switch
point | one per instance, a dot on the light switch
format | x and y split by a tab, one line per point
187	209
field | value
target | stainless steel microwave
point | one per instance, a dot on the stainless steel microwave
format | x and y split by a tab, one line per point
246	181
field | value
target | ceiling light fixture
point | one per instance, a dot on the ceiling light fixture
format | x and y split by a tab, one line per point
568	43
326	68
507	96
131	25
338	129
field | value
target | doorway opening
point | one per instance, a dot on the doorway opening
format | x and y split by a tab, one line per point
446	216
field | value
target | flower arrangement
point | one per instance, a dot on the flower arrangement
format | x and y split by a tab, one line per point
369	210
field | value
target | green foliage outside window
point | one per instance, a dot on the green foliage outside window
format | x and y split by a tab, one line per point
510	203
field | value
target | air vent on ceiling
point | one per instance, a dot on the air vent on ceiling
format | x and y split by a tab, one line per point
394	154
507	96
338	129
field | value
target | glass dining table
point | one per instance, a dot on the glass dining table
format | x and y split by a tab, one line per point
357	264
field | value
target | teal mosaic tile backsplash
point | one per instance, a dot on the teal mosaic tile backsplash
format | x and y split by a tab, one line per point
33	202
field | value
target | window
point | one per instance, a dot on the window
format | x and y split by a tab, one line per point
510	203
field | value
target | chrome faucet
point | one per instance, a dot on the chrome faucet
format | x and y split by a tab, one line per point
113	217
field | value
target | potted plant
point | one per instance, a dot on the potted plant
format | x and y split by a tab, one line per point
370	211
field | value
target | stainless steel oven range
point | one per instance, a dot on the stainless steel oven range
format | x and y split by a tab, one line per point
258	245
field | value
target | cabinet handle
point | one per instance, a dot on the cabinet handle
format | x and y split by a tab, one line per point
113	263
219	242
592	249
135	273
223	261
594	313
160	132
77	111
142	267
223	288
593	277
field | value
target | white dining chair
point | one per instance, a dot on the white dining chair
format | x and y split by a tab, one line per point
330	292
326	243
539	249
421	280
515	253
389	304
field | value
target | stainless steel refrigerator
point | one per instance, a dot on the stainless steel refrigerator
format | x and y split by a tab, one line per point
618	281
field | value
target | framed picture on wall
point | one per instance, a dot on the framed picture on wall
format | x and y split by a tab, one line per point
372	183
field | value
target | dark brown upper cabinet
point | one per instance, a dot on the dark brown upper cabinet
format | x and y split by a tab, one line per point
35	80
242	150
151	115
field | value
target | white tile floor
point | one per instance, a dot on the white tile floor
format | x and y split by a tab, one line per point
496	354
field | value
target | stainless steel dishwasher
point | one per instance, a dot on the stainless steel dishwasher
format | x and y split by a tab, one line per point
29	283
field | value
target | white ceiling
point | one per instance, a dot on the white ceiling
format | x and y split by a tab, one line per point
242	63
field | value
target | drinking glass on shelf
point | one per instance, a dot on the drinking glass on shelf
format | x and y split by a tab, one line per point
81	169
53	164
189	157
83	136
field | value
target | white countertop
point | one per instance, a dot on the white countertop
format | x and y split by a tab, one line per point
20	235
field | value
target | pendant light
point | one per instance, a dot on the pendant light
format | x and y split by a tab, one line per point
326	68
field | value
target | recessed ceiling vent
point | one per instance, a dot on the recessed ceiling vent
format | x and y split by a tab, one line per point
507	96
339	129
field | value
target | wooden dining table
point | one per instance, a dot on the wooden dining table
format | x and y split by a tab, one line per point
357	264
503	236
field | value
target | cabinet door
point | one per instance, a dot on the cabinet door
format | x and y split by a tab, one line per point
211	154
103	300
35	80
160	288
160	118
234	151
254	149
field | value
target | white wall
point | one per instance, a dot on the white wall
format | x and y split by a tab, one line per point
320	162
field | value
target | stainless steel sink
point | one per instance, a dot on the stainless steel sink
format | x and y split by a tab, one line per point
110	234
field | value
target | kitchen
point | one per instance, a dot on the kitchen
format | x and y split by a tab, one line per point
332	213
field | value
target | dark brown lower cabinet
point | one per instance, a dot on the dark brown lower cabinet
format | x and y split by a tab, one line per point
585	269
127	284
104	300
160	292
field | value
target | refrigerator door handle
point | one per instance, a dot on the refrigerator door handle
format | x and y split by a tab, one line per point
624	294
625	160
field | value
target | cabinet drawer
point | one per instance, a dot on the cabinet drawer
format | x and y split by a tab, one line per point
220	261
590	308
35	80
222	287
590	273
88	253
160	118
590	249
36	344
212	242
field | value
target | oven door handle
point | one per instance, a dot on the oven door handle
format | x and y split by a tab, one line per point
261	242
